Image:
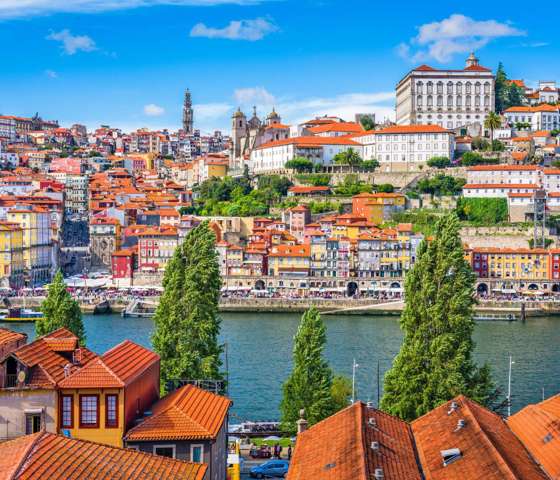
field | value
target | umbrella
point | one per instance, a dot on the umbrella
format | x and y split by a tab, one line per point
271	438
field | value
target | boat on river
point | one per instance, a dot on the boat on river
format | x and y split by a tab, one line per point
17	314
495	317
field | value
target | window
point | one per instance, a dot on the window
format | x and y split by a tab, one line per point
67	419
197	451
32	423
111	410
165	450
89	411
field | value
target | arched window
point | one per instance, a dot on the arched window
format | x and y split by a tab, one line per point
486	100
477	88
440	87
449	88
419	87
459	88
430	101
449	100
468	87
419	100
487	88
459	101
468	101
430	87
477	101
440	100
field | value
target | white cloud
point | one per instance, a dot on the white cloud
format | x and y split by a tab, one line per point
29	8
72	44
442	40
208	112
153	110
51	74
251	30
253	96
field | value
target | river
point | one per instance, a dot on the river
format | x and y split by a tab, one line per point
259	353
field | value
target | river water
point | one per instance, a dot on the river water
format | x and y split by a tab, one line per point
259	353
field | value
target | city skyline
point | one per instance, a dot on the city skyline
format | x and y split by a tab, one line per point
133	73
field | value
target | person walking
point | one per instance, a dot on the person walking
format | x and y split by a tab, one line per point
289	452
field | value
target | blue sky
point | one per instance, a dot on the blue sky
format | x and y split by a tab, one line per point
127	62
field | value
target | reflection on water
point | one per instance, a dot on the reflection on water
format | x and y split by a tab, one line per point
259	353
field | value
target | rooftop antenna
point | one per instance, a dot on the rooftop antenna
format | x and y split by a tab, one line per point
354	367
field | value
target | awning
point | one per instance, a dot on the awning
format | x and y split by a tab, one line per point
508	290
34	411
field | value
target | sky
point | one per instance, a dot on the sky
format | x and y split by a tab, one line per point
126	63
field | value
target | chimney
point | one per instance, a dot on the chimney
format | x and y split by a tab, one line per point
67	370
302	422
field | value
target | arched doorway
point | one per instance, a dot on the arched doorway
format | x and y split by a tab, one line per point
556	288
395	285
259	285
533	286
351	289
482	289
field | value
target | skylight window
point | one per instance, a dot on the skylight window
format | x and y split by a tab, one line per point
451	455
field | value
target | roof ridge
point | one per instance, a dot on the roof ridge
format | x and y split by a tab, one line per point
362	427
497	454
27	451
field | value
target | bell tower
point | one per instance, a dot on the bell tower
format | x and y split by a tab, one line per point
188	117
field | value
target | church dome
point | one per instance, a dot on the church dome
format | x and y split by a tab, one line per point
273	115
238	114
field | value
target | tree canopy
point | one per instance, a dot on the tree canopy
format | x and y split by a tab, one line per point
186	320
300	164
60	310
435	361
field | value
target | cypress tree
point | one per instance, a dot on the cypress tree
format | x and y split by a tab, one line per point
435	361
186	319
60	310
309	385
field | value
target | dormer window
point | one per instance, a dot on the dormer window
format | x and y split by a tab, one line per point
451	455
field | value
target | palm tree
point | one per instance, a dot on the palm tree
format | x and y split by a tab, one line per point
493	121
348	157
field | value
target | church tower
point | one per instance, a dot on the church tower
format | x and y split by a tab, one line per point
188	126
238	135
472	61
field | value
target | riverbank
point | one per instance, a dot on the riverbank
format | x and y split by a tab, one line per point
334	306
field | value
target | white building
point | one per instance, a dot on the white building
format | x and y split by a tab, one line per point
405	148
448	98
504	174
539	117
548	91
497	190
7	128
272	156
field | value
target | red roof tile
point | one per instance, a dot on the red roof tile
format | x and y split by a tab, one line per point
186	413
7	336
538	427
47	456
339	448
489	449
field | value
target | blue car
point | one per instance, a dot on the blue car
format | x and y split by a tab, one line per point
272	468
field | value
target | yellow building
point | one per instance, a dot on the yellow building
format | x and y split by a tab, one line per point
289	260
511	263
11	255
101	401
38	247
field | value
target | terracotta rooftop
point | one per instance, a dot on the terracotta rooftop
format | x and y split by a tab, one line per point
54	457
187	413
340	448
115	368
7	336
488	448
45	362
538	427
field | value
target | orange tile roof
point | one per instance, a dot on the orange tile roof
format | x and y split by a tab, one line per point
413	129
187	413
45	364
116	368
500	185
500	168
306	189
309	142
289	251
489	449
538	427
7	336
349	127
54	457
339	448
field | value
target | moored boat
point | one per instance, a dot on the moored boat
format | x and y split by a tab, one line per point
20	315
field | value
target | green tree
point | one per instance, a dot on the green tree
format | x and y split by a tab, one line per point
500	88
492	122
367	123
341	392
435	361
186	320
482	211
277	183
60	310
309	385
348	157
300	164
352	185
439	162
384	188
369	165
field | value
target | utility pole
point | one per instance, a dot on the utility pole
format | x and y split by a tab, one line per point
378	386
511	362
354	367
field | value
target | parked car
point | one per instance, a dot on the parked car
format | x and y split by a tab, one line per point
272	468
